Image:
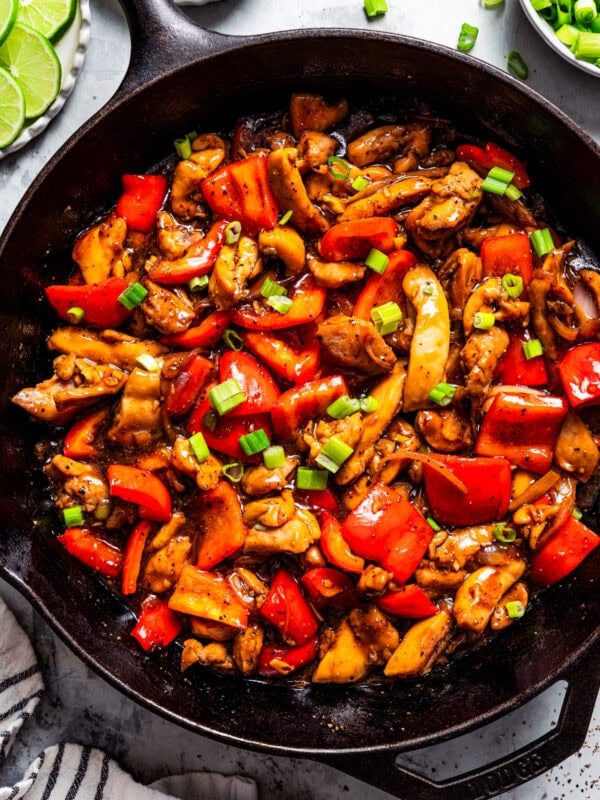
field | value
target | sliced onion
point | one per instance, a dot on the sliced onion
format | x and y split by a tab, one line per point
441	469
535	491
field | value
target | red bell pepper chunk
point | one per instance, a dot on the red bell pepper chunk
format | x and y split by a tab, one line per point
386	528
143	196
218	513
579	371
241	191
515	369
561	554
335	548
142	487
79	441
308	301
259	388
99	302
409	601
380	289
187	385
206	334
198	261
354	239
296	364
208	595
224	434
523	428
328	587
501	255
132	560
92	551
494	156
321	499
302	403
286	608
276	661
488	482
157	626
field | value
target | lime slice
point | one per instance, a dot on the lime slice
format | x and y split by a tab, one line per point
32	61
8	16
51	18
12	109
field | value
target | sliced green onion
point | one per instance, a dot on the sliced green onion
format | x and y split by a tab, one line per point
564	11
234	471
434	524
484	320
515	609
442	394
286	217
254	442
587	46
541	241
333	454
210	420
541	5
567	34
338	168
75	314
491	3
183	147
387	318
512	285
585	11
280	303
533	349
271	288
504	534
148	362
360	182
467	37
198	284
500	174
377	261
517	65
233	340
199	447
226	396
132	296
274	456
576	513
368	404
73	516
307	478
428	290
343	407
512	192
233	231
494	185
375	8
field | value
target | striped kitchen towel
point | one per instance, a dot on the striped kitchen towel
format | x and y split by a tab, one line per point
71	771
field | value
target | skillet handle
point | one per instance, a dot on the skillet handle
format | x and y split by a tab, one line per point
381	770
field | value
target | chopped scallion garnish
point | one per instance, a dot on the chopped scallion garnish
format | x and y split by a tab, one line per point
500	174
271	288
375	8
442	394
585	12
234	471
254	442
377	261
148	362
199	447
576	513
360	182
541	241
274	456
512	285
387	318
233	231
517	65
198	284
504	534
533	349
491	3
494	185
484	320
515	609
467	37
226	396
286	217
338	168
307	478
233	340
333	454
512	192
280	303
434	524
183	147
132	296
343	407
368	404
75	314
73	516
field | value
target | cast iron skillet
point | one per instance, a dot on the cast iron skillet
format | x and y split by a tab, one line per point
182	77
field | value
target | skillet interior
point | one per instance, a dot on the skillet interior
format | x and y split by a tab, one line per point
131	135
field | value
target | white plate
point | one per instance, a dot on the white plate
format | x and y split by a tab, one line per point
546	31
71	51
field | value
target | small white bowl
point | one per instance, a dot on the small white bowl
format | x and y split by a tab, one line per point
547	33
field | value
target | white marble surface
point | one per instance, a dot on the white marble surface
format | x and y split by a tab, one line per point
78	705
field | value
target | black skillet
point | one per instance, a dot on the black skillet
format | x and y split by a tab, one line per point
180	78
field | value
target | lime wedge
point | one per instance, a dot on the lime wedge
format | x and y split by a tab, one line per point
8	16
32	61
12	109
51	18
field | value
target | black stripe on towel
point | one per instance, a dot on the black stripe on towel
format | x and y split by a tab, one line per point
53	777
103	778
80	774
21	705
16	789
6	735
20	676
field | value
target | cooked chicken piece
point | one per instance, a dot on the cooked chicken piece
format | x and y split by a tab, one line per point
186	196
348	429
333	275
552	303
480	357
588	314
82	484
290	192
372	628
295	536
206	473
167	311
355	343
234	267
431	577
260	480
209	629
166	532
249	587
450	206
447	430
286	244
137	422
379	144
430	343
420	647
500	617
346	659
272	512
247	647
312	112
459	275
373	579
514	210
537	522
107	347
213	654
173	239
163	568
57	399
473	237
381	199
314	148
461	545
491	297
576	451
100	251
480	593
